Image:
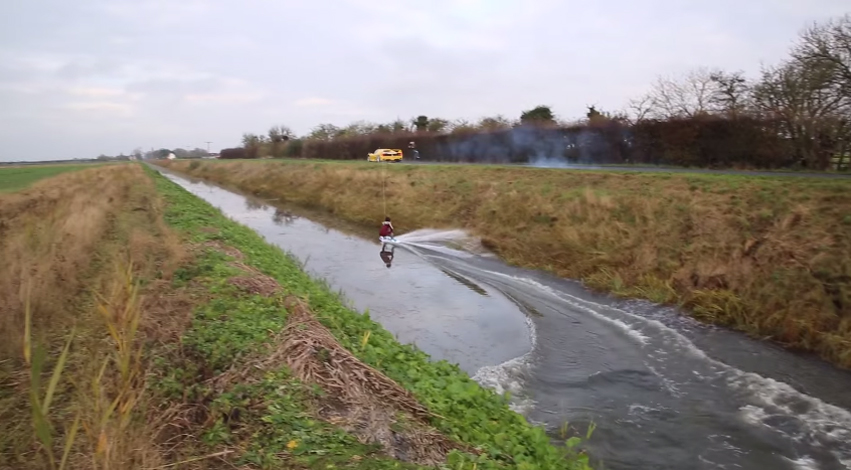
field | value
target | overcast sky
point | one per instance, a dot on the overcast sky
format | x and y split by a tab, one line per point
85	77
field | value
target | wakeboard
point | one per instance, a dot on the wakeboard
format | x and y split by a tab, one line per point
391	240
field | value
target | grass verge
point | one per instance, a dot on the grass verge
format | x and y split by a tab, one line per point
769	256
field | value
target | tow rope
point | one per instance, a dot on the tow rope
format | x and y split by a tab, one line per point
411	145
384	187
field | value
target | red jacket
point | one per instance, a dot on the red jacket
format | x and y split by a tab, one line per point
386	230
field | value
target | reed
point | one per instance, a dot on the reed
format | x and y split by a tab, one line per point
40	407
84	287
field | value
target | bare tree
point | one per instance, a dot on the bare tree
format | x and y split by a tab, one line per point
641	108
827	47
253	144
280	133
278	138
682	97
462	126
399	125
803	99
829	44
699	92
325	132
495	123
437	125
358	128
730	93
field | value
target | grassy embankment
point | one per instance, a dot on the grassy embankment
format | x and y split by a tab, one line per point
769	256
194	341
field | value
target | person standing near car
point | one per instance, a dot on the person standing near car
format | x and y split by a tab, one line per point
412	145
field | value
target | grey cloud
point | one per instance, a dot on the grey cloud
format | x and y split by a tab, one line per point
82	68
176	86
9	74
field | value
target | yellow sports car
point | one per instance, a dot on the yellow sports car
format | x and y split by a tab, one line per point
385	155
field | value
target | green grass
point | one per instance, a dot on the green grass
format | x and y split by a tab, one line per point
20	177
233	325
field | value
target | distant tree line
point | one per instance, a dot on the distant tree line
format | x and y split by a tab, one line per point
794	114
138	154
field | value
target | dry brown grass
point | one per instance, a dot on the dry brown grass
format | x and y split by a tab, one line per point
78	244
769	256
252	281
54	237
360	399
357	397
49	234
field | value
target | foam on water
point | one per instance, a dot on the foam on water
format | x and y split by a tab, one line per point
437	248
463	243
501	378
430	235
628	329
636	409
632	332
509	376
828	423
817	419
804	463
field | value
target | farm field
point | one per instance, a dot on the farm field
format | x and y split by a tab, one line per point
13	178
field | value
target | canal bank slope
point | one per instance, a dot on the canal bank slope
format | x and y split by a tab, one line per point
767	256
